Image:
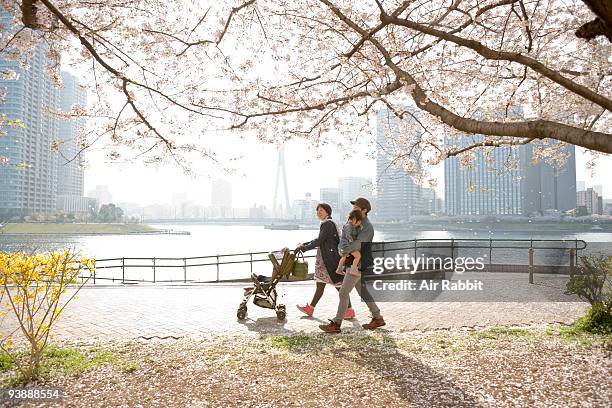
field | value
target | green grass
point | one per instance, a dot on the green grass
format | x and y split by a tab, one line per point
57	361
35	228
290	342
314	343
508	330
496	332
5	361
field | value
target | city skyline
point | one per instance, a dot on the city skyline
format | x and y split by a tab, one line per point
308	170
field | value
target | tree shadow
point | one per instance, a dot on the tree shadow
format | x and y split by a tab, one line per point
415	382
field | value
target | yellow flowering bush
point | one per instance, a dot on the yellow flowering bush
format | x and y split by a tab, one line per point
34	291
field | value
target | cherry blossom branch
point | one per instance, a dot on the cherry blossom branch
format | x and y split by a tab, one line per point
519	58
537	129
488	143
188	44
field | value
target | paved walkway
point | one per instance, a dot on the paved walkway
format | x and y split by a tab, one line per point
147	311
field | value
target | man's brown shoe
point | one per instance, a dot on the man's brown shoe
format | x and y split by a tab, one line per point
332	327
374	324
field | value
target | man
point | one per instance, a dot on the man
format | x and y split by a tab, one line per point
363	241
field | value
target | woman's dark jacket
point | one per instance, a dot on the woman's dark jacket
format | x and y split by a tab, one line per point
327	241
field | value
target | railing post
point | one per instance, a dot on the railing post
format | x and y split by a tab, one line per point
530	265
572	262
453	249
123	270
217	268
251	262
490	253
415	250
94	277
153	269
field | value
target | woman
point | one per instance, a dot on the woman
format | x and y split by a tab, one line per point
326	260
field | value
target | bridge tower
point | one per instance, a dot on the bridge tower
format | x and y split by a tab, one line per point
281	172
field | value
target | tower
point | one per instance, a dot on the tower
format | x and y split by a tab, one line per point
280	171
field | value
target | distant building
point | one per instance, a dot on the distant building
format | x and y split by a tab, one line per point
430	203
102	194
158	211
70	181
221	198
598	189
486	186
70	173
545	187
351	188
590	200
398	196
489	187
607	204
258	212
333	197
305	209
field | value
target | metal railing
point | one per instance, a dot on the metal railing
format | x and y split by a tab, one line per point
204	268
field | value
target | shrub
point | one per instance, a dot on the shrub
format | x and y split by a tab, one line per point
34	289
593	283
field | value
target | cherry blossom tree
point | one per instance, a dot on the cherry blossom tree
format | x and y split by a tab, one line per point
165	74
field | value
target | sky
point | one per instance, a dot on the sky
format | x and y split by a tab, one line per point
255	177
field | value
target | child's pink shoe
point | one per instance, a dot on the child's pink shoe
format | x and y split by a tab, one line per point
340	270
306	309
354	271
349	314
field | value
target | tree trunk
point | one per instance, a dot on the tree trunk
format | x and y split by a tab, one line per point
602	25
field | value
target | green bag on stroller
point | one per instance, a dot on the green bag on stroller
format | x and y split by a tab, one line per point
300	267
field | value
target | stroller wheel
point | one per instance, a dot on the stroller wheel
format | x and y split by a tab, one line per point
281	312
241	314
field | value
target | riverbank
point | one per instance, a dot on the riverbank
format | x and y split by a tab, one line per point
78	229
535	227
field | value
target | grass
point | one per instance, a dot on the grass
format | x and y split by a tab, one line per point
495	333
36	228
314	343
67	361
5	361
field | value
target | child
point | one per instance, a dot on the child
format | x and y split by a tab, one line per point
345	247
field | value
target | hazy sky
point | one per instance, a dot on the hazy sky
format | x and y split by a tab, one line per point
255	177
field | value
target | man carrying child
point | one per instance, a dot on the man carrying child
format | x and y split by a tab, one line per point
363	243
348	247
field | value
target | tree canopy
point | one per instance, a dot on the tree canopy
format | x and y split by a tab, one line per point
164	74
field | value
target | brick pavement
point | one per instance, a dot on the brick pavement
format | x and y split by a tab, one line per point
130	312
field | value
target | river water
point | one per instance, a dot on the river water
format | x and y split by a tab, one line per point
207	240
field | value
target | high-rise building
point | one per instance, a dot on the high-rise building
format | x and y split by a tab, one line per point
102	194
221	198
70	173
545	187
590	200
508	182
70	180
598	189
398	196
486	186
331	196
28	182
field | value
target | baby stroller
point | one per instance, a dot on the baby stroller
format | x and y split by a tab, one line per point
264	288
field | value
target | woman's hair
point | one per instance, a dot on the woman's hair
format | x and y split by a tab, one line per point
325	207
356	215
